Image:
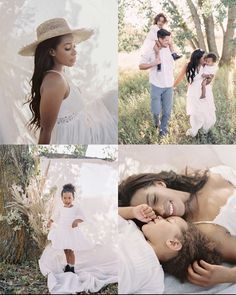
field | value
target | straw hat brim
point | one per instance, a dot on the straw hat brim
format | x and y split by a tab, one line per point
80	35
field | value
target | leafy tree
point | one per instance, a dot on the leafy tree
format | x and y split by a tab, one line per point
17	166
195	25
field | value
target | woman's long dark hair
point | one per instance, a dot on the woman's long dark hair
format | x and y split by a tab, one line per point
43	62
193	64
183	182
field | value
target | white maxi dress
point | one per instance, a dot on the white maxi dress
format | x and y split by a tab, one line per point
201	111
80	122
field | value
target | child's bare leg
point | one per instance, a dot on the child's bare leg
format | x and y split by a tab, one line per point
173	53
171	47
66	251
157	53
71	257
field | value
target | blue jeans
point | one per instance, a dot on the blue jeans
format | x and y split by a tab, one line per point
161	102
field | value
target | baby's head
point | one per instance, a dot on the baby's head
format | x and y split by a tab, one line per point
160	20
210	59
68	194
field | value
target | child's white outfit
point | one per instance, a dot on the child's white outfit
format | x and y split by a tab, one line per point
62	235
201	111
209	70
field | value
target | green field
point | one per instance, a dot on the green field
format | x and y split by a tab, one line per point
135	119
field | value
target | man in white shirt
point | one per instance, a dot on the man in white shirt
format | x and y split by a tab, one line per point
161	79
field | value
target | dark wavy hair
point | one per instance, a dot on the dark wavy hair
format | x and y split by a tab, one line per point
68	188
183	182
43	62
195	247
157	18
193	64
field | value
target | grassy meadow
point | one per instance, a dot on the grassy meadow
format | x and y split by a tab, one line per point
26	278
135	119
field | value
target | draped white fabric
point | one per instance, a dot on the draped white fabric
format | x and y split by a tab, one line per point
95	71
151	158
96	195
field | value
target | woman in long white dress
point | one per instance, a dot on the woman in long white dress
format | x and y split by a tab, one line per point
201	111
58	108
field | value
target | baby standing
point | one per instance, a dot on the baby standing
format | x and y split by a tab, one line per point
64	233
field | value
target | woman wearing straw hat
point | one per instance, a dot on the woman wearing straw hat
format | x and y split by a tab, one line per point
58	108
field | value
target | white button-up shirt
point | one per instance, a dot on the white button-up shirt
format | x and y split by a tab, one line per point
165	77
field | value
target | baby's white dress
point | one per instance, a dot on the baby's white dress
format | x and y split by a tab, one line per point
80	122
62	235
201	111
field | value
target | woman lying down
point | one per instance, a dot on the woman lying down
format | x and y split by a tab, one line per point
172	241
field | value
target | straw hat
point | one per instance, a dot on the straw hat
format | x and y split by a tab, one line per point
52	28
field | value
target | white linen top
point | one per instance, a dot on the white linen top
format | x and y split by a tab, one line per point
165	77
140	271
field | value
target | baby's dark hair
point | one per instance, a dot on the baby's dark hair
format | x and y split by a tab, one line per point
212	55
68	188
157	18
162	33
195	247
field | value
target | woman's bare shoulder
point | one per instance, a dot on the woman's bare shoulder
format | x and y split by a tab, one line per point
53	78
53	82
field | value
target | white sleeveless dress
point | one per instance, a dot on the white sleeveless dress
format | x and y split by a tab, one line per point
201	111
79	122
62	235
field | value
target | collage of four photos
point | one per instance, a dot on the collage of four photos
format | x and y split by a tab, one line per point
117	147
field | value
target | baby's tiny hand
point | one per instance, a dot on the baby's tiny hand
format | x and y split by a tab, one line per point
144	213
76	222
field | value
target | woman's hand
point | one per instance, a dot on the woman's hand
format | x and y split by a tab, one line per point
76	222
205	274
144	213
180	76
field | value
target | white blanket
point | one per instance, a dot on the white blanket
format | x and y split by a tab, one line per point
93	270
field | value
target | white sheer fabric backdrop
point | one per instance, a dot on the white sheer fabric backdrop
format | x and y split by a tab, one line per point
96	193
152	158
95	71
